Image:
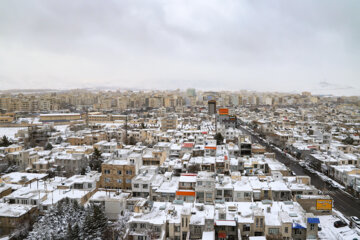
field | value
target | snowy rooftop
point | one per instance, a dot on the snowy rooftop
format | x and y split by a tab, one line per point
117	162
108	196
14	210
188	178
18	177
169	186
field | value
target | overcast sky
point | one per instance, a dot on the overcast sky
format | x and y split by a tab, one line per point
288	46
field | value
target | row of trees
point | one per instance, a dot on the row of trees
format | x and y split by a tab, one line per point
71	221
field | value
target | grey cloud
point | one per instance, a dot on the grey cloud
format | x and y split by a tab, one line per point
219	44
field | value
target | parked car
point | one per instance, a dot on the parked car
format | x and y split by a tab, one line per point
332	184
355	220
339	224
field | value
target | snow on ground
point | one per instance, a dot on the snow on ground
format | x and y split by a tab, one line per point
328	231
9	131
324	177
278	149
291	157
61	128
28	120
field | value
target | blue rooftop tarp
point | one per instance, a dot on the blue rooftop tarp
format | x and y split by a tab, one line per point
297	226
313	220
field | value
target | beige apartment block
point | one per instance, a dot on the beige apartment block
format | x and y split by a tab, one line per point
154	157
168	123
117	174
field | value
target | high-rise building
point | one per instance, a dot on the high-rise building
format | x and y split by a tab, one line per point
191	92
212	107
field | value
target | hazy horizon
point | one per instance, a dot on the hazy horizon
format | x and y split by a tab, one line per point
262	46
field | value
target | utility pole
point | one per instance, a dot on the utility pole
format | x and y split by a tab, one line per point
215	123
126	130
87	117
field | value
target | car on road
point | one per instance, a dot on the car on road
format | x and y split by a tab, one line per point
311	170
302	163
355	220
332	184
340	223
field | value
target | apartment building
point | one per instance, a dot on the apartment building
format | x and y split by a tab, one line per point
14	215
168	123
60	117
70	164
117	174
142	183
205	187
153	157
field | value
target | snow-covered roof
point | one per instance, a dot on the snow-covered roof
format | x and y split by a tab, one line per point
14	210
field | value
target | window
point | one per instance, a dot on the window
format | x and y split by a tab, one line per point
261	222
208	195
128	180
142	225
197	229
199	183
107	171
286	229
273	231
145	186
246	194
119	172
128	172
257	222
312	226
136	185
107	180
119	181
177	229
246	228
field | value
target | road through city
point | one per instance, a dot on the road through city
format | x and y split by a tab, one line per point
344	202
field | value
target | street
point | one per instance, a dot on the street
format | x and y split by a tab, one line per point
344	202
